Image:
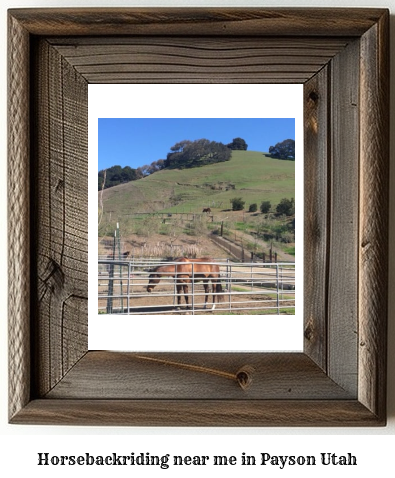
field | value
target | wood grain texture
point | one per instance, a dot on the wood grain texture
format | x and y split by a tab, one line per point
344	217
316	214
61	248
348	278
329	22
198	375
202	413
373	245
18	212
188	59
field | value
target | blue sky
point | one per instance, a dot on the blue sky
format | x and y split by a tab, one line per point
135	142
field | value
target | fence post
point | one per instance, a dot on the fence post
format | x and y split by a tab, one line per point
282	283
111	279
230	285
128	291
278	291
175	285
120	266
193	292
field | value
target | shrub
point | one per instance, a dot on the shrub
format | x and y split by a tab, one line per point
286	207
253	207
237	204
265	207
287	237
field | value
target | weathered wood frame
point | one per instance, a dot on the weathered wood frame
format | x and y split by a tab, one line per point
342	57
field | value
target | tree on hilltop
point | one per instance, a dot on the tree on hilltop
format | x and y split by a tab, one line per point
238	144
116	175
283	150
191	154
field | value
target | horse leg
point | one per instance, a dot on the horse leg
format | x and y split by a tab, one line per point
186	296
178	296
213	283
206	291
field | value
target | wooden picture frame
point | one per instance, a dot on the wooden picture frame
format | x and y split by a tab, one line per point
342	58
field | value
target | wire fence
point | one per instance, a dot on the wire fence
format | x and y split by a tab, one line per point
245	288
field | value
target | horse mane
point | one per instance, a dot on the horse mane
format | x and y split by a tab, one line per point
155	269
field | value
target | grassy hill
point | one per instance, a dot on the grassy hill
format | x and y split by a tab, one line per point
251	175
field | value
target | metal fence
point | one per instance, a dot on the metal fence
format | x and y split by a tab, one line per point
246	288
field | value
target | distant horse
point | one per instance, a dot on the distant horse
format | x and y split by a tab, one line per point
185	272
207	210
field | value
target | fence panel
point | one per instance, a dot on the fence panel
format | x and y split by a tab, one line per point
245	288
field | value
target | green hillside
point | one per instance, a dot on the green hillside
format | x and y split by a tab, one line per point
250	175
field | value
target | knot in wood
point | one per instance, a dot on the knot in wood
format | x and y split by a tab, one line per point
308	332
313	96
244	376
54	276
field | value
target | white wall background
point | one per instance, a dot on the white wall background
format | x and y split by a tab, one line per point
20	445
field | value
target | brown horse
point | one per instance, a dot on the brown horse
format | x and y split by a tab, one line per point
207	210
186	271
170	270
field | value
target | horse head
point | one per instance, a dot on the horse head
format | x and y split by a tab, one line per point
153	280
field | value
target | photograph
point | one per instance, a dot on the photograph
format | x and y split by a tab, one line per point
196	216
